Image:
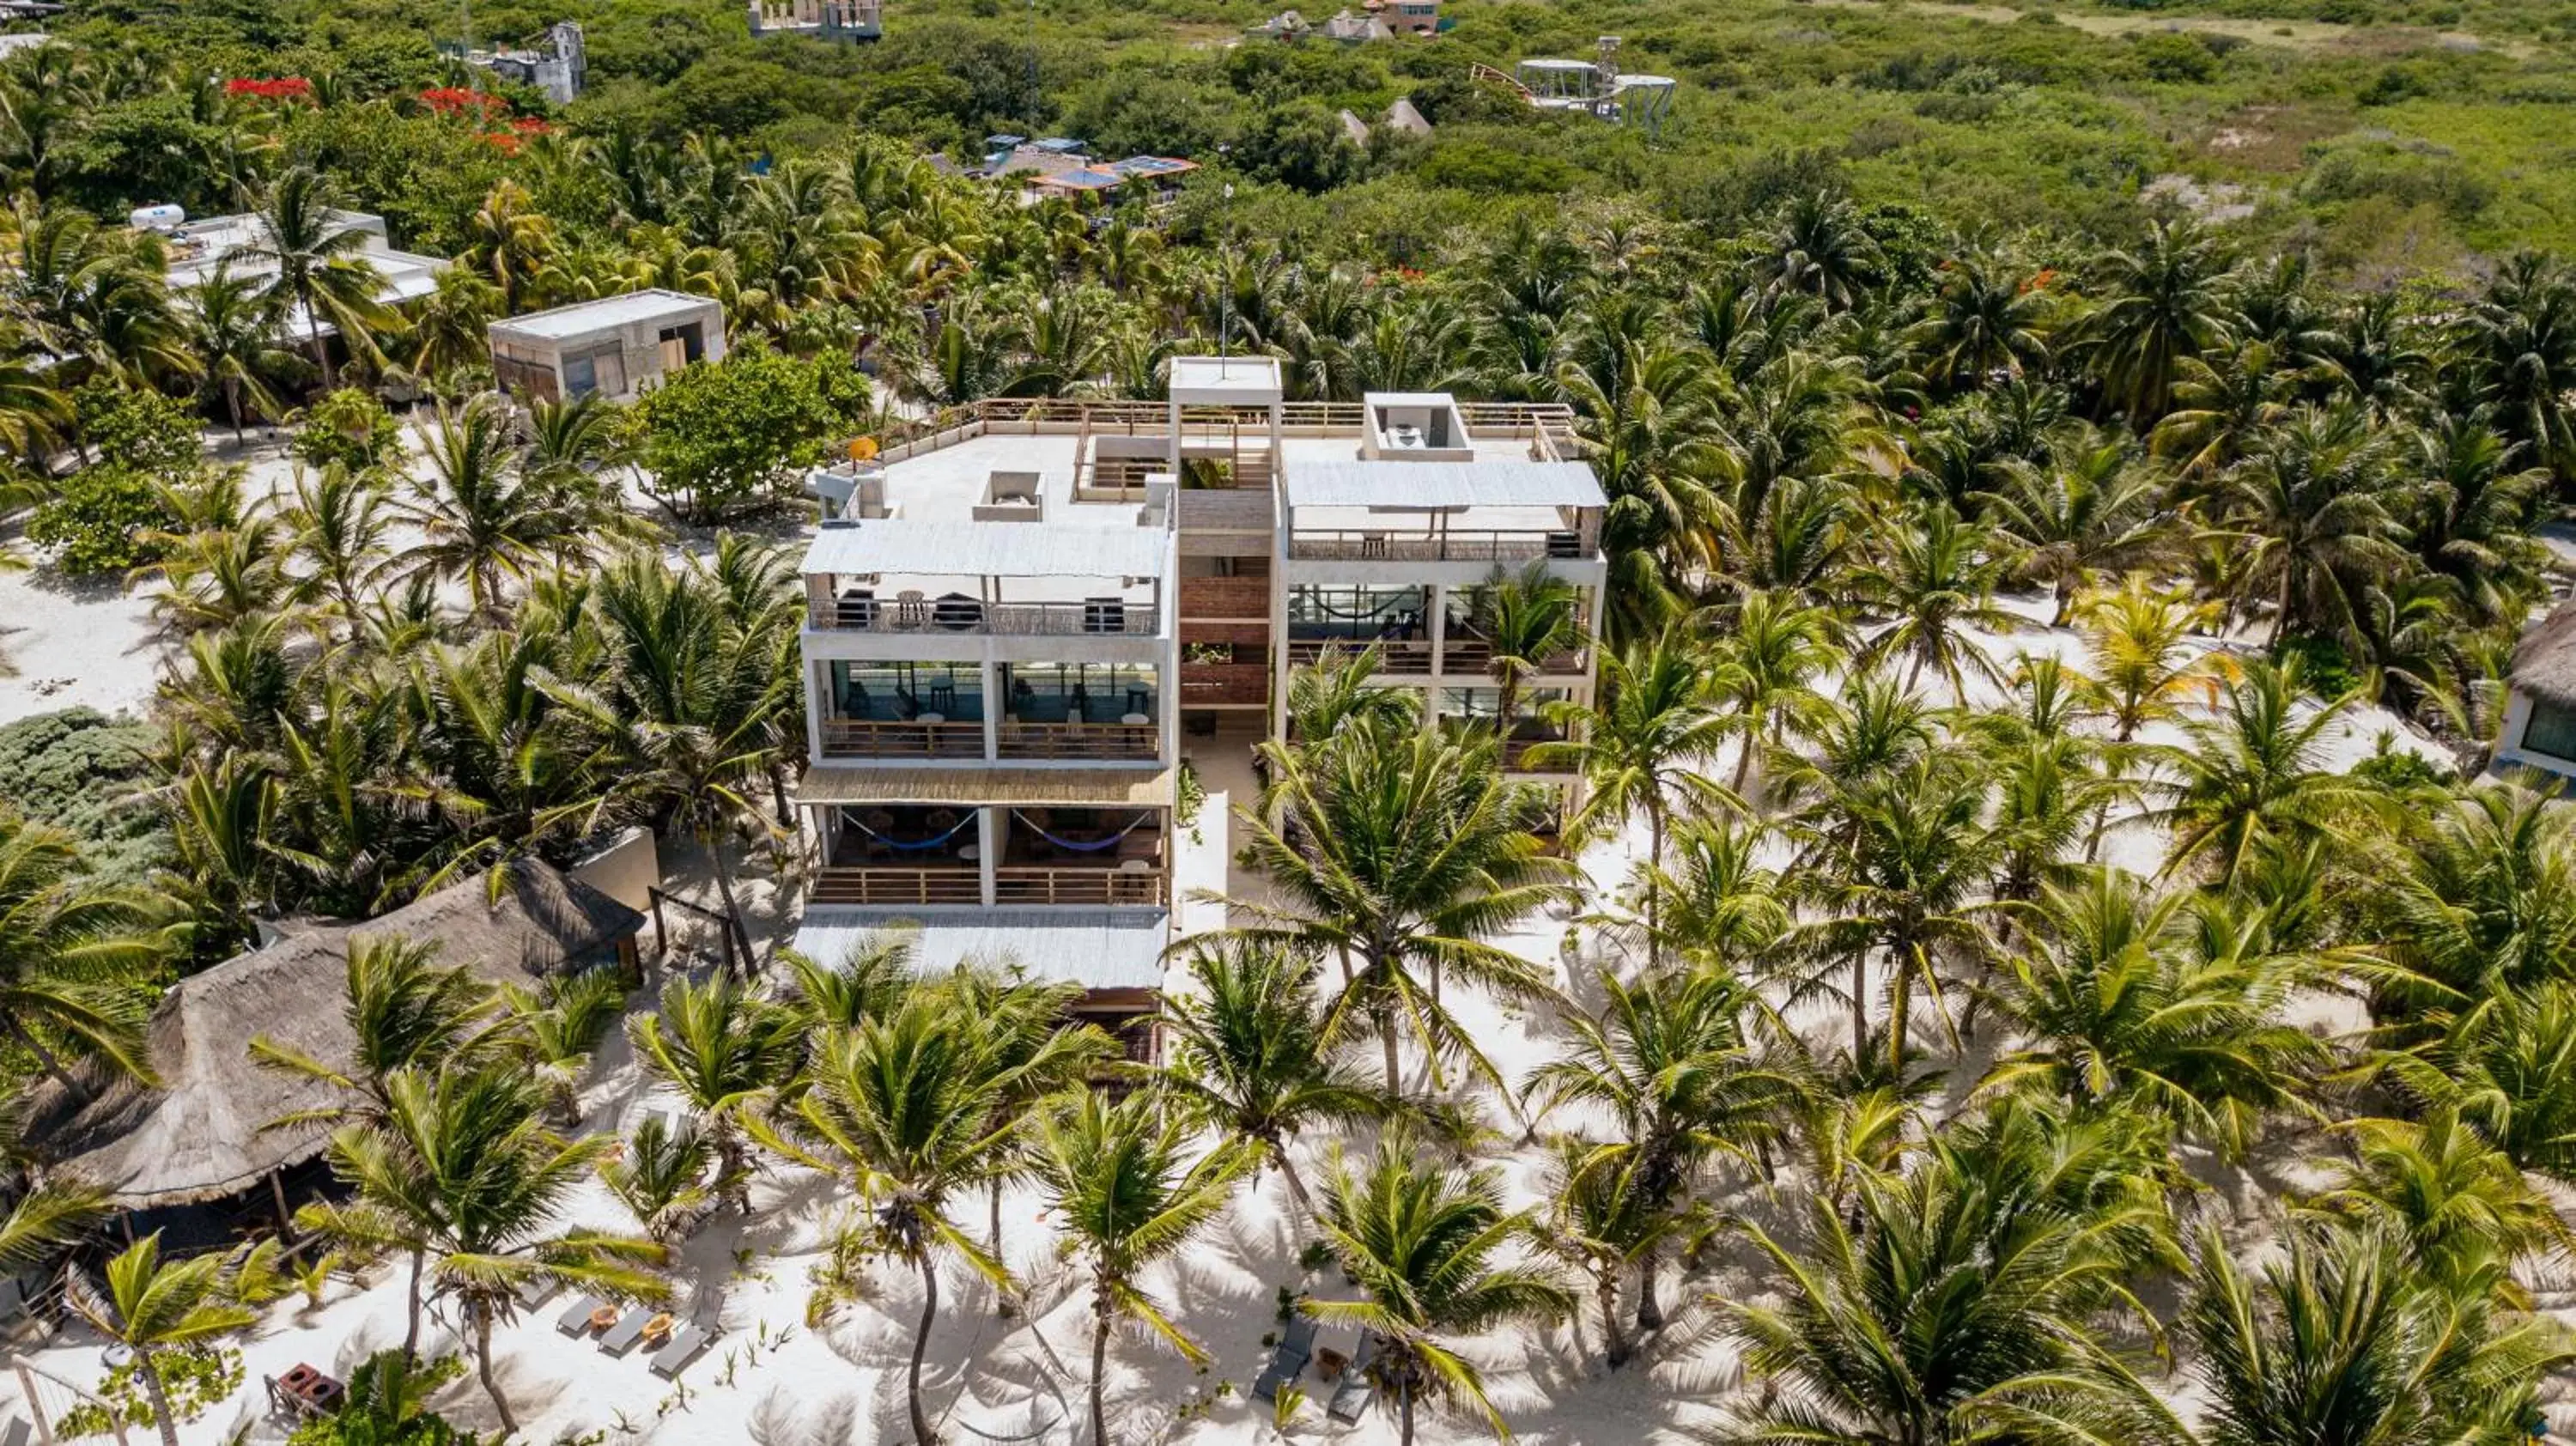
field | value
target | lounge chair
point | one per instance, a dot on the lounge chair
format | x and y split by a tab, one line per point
1351	1398
629	1329
691	1343
537	1291
576	1317
1288	1361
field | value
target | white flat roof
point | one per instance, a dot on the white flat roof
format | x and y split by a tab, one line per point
1409	399
608	313
990	549
1094	948
1435	486
1239	379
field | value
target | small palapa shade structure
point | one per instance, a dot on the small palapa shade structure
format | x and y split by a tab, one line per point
196	1134
2544	662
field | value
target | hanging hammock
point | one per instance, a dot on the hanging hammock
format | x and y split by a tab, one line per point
1110	842
910	845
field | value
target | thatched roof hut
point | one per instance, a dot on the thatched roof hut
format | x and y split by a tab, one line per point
196	1135
2544	662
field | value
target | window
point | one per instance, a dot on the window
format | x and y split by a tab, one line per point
2551	730
598	371
902	692
1361	613
1078	692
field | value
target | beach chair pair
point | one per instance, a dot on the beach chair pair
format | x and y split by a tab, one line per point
1288	1360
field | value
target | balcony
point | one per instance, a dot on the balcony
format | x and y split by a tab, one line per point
1467	653
1395	657
1013	884
929	736
959	614
1095	742
1361	545
1221	685
896	885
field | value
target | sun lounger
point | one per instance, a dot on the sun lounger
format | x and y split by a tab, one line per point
1351	1399
576	1317
622	1336
687	1346
1288	1360
537	1292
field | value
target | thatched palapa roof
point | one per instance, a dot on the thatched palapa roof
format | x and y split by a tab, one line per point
2544	663
196	1135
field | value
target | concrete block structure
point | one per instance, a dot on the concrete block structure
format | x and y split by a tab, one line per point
614	347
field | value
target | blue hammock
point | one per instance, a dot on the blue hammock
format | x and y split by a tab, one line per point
1110	842
911	846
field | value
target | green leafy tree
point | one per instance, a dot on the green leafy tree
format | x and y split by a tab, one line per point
719	438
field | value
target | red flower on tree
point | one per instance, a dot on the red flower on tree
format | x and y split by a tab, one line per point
284	87
456	100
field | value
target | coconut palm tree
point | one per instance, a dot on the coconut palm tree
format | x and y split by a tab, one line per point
463	1172
152	1307
2317	501
1601	1223
1818	245
904	1109
404	1011
1398	856
65	941
2344	1340
1956	1302
2483	908
1984	319
2140	666
321	270
40	1215
1525	621
336	529
1246	1055
1128	1194
2254	773
2165	303
2222	404
2510	1071
726	1051
1770	661
661	1177
555	1029
1669	1062
233	331
1424	1246
2464	1214
481	515
2159	1004
1641	748
2090	509
1934	578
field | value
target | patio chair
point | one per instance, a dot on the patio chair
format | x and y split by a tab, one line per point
576	1317
629	1329
1288	1360
1351	1399
691	1343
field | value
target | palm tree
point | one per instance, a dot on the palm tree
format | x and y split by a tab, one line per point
463	1172
321	265
151	1306
404	1011
1395	854
1601	1223
234	331
484	517
1818	245
2256	773
554	1030
2165	306
2483	908
1119	1178
2316	499
2344	1340
1246	1055
1641	749
2089	510
42	1215
2141	667
1667	1060
336	529
2162	1005
1421	1244
509	241
1770	660
1934	578
726	1051
1984	320
904	1109
1525	622
660	1176
2464	1214
65	942
1952	1303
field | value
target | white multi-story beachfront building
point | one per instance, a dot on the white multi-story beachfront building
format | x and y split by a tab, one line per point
1018	621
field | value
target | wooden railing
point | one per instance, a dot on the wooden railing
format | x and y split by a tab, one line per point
1456	546
1136	742
1023	885
966	616
1475	655
1217	685
1412	659
1225	597
868	738
870	884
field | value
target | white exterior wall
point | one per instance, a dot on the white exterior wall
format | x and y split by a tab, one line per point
2509	750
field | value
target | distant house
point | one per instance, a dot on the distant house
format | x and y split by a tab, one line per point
196	248
559	69
1352	29
1286	25
615	347
849	20
2540	711
200	1134
1161	173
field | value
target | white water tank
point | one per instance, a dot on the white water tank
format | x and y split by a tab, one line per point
164	217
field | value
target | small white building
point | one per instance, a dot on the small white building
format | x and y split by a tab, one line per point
850	20
2540	711
196	248
559	69
615	347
